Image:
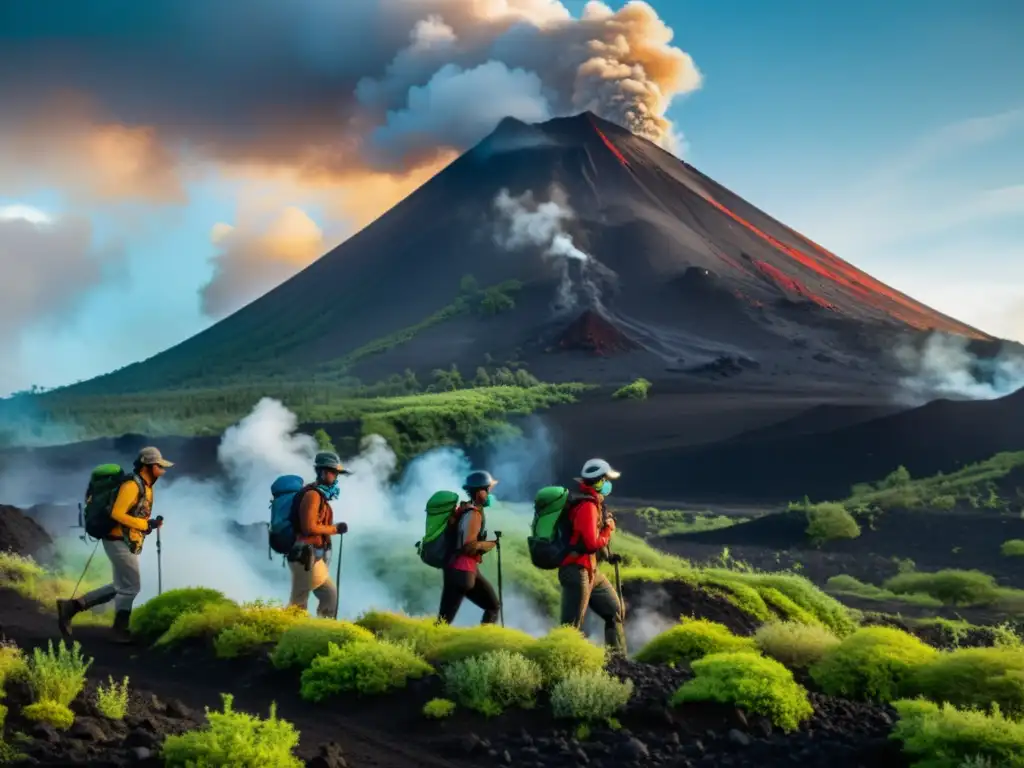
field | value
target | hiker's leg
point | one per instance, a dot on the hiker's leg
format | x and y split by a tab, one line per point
68	609
127	579
456	584
325	590
605	603
302	584
575	585
482	595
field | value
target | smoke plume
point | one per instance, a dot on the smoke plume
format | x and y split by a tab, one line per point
332	92
522	223
945	366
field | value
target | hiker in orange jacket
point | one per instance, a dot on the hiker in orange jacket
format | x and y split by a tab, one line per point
583	585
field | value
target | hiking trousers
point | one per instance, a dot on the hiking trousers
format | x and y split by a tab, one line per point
316	580
467	585
127	581
581	591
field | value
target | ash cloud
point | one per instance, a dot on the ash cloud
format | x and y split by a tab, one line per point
330	90
945	366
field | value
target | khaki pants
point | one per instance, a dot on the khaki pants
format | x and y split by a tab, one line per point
580	592
316	580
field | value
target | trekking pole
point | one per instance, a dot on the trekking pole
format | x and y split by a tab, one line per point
501	599
159	564
337	577
85	570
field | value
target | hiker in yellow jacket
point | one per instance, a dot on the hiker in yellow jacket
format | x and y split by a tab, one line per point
131	516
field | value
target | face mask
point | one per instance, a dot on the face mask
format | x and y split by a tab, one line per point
606	488
331	491
489	501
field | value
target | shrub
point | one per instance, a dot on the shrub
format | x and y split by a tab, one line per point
944	503
946	737
872	663
563	651
362	667
206	622
494	681
438	709
240	640
829	522
794	644
48	711
692	639
749	681
112	701
589	695
844	584
951	586
57	676
12	665
422	632
1013	548
256	625
636	391
975	678
235	739
459	643
155	616
302	643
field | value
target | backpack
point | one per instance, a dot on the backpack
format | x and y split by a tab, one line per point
285	492
104	483
438	543
551	529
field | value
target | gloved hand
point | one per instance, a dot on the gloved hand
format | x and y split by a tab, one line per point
153	524
341	528
614	559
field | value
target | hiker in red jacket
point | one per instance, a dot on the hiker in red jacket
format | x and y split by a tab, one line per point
583	585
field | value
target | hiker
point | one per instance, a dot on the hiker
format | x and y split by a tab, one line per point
583	585
314	526
127	529
462	577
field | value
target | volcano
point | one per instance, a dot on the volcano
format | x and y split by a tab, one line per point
659	263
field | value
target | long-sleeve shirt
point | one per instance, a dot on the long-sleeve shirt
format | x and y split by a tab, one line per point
316	520
588	530
131	518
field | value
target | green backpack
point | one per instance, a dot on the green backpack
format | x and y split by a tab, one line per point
551	529
104	483
437	545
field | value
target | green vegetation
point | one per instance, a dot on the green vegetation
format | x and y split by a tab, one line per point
494	681
850	587
976	486
956	587
667	522
362	667
796	645
828	521
303	642
112	700
690	640
438	709
590	696
30	580
50	712
1012	548
235	739
563	652
155	616
873	663
945	737
636	391
974	677
750	681
57	675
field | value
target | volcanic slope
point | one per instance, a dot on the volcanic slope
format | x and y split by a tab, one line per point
689	277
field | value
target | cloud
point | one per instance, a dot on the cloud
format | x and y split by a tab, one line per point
256	254
50	264
331	91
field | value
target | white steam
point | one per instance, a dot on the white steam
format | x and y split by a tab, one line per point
523	222
946	367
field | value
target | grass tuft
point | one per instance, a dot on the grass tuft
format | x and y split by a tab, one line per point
590	695
692	639
491	683
112	700
796	645
438	709
364	667
942	736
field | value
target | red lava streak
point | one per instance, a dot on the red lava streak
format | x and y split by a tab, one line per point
611	147
592	333
790	284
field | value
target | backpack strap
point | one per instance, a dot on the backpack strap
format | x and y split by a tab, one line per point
293	514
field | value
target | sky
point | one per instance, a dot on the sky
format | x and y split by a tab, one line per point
162	165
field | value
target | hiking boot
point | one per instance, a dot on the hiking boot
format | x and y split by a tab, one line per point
121	633
66	611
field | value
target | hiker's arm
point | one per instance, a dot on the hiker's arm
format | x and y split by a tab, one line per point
308	513
471	546
586	527
127	498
